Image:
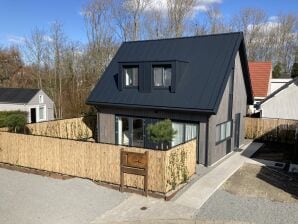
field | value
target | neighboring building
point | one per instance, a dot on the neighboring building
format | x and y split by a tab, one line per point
203	90
275	84
33	101
282	103
260	74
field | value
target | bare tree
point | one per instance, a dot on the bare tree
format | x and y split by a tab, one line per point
155	24
250	20
128	16
36	49
178	11
57	42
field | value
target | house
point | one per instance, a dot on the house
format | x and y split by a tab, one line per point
277	83
35	102
282	103
260	74
201	83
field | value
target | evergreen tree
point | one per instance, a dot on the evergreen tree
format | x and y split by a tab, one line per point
276	73
161	132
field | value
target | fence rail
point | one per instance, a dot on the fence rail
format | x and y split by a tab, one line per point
97	161
268	129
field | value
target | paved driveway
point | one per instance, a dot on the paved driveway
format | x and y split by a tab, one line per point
32	199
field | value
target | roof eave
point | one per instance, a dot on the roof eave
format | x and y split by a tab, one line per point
205	111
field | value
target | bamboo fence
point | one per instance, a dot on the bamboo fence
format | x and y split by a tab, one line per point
97	161
268	129
81	128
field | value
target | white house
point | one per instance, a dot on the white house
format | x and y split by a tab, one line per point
282	103
35	102
275	84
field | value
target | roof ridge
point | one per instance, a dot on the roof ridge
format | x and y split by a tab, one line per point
185	37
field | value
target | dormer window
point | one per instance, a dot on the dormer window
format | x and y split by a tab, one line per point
131	76
162	76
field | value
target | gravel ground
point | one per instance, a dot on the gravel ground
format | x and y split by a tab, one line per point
32	199
224	206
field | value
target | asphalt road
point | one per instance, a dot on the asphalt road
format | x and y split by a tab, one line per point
32	199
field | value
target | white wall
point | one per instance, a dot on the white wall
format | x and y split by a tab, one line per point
47	103
283	105
277	83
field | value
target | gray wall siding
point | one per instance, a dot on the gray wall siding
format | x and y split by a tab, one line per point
34	102
106	132
239	99
217	151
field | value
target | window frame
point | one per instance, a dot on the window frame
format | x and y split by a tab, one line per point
40	99
163	66
44	113
218	139
124	67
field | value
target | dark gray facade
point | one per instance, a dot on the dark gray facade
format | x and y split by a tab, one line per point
208	151
209	92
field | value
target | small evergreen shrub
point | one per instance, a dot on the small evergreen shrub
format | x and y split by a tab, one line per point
161	132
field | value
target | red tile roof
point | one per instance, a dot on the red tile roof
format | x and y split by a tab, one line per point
260	74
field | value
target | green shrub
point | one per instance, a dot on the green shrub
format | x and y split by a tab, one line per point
16	122
161	132
5	114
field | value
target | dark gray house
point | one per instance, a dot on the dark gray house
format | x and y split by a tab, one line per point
201	83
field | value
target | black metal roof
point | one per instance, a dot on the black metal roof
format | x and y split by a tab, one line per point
16	95
200	88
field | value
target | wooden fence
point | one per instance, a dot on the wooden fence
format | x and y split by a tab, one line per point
268	129
81	128
97	161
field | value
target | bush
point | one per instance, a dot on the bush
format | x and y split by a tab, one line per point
16	122
5	114
161	132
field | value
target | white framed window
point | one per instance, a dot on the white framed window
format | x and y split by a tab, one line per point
41	99
223	131
131	76
162	76
42	113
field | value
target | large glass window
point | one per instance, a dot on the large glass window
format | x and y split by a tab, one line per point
138	133
162	76
130	131
179	137
123	131
131	76
190	131
223	131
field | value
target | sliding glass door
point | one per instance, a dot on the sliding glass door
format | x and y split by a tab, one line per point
137	132
130	131
123	130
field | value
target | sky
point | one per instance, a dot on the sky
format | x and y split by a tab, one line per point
19	17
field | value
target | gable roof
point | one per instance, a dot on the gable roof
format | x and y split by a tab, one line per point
260	74
295	81
16	95
210	60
